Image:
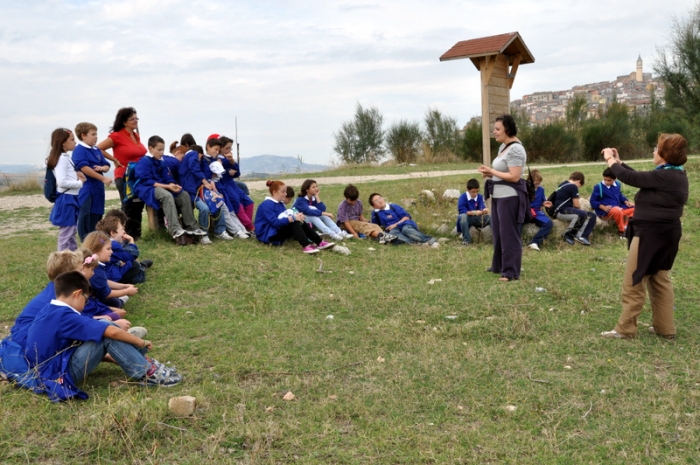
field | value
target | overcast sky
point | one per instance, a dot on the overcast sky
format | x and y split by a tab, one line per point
290	71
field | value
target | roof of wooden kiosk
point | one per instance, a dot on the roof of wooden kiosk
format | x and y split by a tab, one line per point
507	44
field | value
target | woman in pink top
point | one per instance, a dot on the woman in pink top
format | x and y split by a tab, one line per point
125	142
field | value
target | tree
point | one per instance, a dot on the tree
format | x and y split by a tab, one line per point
612	129
360	140
403	141
441	133
576	112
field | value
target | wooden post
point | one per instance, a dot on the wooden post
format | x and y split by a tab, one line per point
152	218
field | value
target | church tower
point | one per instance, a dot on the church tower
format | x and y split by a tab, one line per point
640	76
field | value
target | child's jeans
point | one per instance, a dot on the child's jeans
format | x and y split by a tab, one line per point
545	229
219	223
581	223
66	238
410	235
467	221
324	224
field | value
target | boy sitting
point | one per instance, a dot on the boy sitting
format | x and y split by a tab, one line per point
540	218
61	364
609	203
396	220
123	267
351	219
472	211
158	189
567	206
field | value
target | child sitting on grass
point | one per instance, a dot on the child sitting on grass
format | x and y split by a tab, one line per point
61	364
123	267
610	204
397	221
540	218
351	218
110	293
472	211
309	203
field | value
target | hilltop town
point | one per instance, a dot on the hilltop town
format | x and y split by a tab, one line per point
634	89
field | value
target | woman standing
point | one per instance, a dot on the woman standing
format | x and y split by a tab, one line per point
125	142
653	235
510	200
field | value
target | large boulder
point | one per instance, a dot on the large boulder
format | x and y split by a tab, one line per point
426	196
451	194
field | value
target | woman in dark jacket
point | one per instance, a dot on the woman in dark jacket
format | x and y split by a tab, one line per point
653	236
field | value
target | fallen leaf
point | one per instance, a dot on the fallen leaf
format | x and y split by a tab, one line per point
269	409
511	408
380	359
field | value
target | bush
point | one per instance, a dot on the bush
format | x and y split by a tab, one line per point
441	133
550	142
403	141
360	140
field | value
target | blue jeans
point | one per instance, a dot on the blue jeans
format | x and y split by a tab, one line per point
545	228
467	221
324	224
219	223
410	235
89	354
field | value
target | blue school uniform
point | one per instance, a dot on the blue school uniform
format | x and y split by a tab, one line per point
94	307
18	333
467	204
232	193
65	210
51	342
309	207
93	190
120	262
148	172
391	214
267	221
191	173
100	286
173	164
537	204
604	195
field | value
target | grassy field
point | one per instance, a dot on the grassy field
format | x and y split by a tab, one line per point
518	376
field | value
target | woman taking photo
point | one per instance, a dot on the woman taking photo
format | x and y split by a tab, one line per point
125	142
509	202
653	235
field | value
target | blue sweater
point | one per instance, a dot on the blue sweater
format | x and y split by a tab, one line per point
173	164
267	222
604	195
120	262
466	204
303	204
392	215
26	318
92	188
191	173
537	204
148	172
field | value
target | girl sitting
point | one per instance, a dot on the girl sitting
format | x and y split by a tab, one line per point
110	293
309	203
275	224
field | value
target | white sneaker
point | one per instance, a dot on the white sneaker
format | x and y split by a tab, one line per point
205	240
435	245
124	299
138	331
347	235
337	237
533	246
178	233
224	236
242	235
613	335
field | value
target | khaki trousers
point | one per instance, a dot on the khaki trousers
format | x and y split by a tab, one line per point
660	291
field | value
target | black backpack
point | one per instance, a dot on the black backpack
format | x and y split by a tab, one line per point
50	187
552	211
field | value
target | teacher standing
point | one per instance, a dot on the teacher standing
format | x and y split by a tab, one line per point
652	236
509	202
125	142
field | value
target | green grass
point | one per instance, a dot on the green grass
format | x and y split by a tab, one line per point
245	322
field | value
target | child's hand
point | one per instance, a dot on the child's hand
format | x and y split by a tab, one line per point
485	211
133	290
628	203
300	217
81	176
547	203
146	345
127	238
119	311
123	324
329	215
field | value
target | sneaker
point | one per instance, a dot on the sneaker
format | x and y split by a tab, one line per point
242	235
196	232
390	237
138	331
582	240
347	235
124	299
205	240
224	236
309	249
613	335
325	245
146	263
568	239
170	370
435	245
178	233
337	237
533	246
159	375
382	239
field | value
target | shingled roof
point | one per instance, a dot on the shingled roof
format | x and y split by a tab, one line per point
507	44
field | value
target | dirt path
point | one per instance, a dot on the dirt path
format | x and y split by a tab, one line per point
34	201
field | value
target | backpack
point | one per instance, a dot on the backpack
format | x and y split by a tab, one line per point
130	182
600	188
552	211
50	186
213	199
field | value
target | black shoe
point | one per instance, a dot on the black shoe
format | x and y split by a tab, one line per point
568	239
146	263
582	240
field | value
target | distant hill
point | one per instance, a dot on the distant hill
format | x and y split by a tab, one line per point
20	169
260	165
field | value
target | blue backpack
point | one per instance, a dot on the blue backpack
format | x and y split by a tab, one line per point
130	182
50	186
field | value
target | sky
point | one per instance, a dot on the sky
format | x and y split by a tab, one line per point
291	72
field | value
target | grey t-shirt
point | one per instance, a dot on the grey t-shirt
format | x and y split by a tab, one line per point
513	156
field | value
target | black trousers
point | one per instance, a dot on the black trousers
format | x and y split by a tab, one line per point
301	232
133	210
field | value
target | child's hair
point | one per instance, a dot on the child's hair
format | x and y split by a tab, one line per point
81	129
472	184
214	143
62	262
155	140
58	138
225	140
96	241
351	192
306	185
608	173
119	214
89	258
108	225
187	140
371	196
197	148
122	117
69	282
535	176
274	186
577	176
290	192
508	124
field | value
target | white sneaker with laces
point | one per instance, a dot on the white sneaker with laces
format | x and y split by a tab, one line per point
205	240
242	235
533	246
224	236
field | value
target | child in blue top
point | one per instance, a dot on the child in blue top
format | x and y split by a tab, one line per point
61	364
540	218
472	211
110	293
274	223
398	222
159	190
309	203
89	160
123	267
243	205
610	204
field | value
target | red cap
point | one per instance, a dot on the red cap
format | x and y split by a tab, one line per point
212	136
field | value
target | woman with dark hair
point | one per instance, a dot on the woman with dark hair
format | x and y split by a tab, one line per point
125	142
653	235
510	202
